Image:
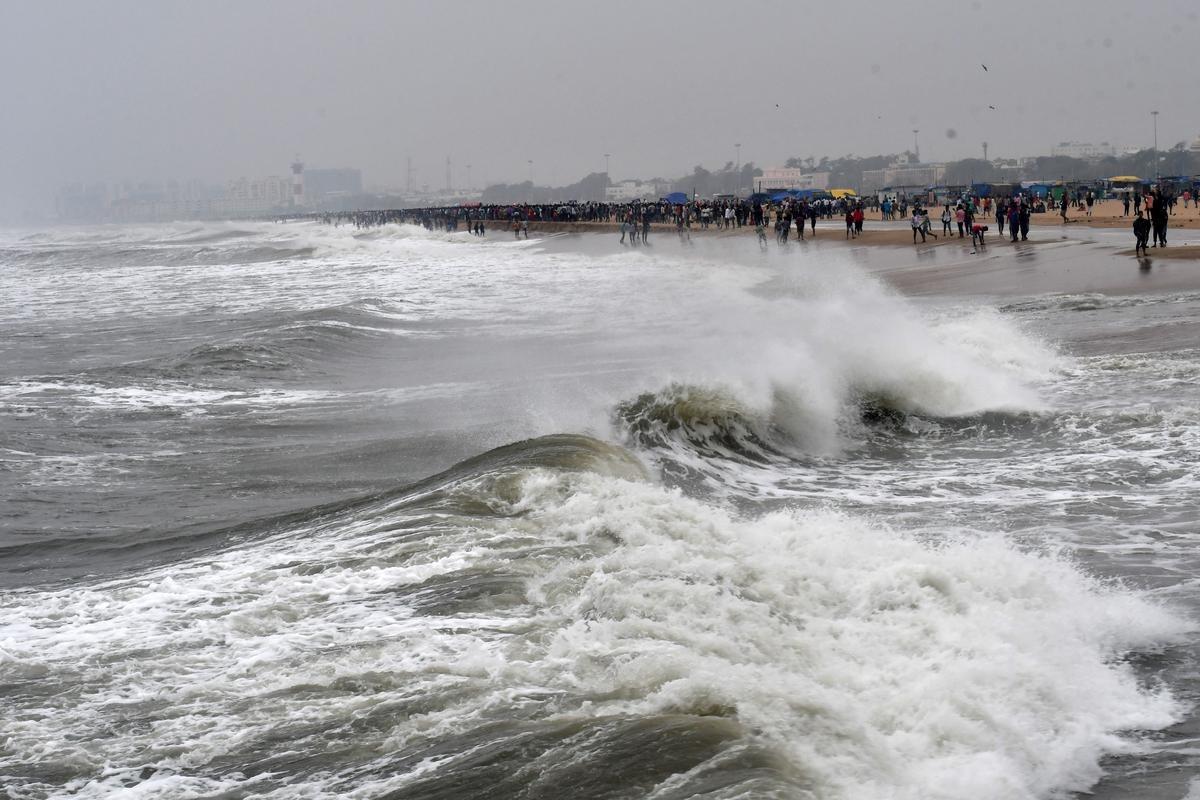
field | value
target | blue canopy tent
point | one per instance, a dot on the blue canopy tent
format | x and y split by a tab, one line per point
779	197
806	194
677	198
759	197
981	189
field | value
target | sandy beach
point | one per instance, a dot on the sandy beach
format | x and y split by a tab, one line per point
1104	226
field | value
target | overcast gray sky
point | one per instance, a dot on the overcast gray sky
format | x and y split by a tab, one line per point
216	90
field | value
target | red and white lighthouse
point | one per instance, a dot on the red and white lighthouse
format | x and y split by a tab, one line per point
297	182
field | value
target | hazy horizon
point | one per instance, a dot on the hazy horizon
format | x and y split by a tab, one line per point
122	90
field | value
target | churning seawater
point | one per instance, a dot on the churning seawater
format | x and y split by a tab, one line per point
301	511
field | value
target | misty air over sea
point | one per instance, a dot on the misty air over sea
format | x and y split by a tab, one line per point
292	510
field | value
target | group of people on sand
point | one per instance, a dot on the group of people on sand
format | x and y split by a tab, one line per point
635	225
798	211
965	215
1155	220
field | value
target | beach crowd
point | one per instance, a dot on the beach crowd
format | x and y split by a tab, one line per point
966	216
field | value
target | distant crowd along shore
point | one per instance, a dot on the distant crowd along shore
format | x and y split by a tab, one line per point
961	215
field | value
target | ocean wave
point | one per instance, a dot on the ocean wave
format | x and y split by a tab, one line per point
545	600
1095	302
238	357
714	422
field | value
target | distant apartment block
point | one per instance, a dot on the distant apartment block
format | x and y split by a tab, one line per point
628	190
776	179
906	175
320	184
1084	150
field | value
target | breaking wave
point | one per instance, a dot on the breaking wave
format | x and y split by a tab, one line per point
542	615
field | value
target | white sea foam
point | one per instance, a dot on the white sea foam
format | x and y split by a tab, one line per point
874	664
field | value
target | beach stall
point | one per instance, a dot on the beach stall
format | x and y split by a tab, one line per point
1124	184
838	194
677	198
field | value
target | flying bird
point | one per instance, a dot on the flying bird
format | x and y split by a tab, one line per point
993	108
985	69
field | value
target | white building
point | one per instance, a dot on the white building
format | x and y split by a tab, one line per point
1194	147
903	175
625	191
1084	150
244	195
777	179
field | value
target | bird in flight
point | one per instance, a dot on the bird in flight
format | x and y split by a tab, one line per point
985	69
993	108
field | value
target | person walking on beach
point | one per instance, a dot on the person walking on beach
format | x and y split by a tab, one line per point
1141	232
859	216
1062	207
1089	201
812	218
946	218
1023	219
1158	218
960	217
926	227
1014	221
1125	202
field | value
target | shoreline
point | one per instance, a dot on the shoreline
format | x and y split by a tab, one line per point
1047	264
895	234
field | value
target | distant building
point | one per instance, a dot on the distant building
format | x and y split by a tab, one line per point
249	196
1194	147
776	179
1083	150
625	191
903	175
322	184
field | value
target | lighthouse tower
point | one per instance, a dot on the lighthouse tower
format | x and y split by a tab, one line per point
297	182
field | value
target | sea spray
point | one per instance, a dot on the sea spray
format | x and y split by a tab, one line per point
857	656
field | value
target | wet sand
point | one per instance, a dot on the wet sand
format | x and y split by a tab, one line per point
1187	251
1047	264
1070	269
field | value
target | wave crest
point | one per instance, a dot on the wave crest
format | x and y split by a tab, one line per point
710	420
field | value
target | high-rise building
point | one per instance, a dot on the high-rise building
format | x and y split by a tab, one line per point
323	184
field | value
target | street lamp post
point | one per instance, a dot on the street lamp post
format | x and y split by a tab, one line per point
1154	114
916	147
606	157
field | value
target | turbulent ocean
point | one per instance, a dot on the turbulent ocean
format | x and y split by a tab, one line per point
296	511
